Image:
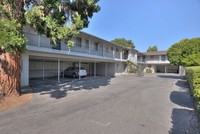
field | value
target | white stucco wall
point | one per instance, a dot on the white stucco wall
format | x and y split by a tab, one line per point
152	67
25	70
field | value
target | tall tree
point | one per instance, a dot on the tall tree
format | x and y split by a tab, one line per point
57	19
124	42
185	52
152	48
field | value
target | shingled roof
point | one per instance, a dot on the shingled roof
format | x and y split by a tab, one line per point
155	53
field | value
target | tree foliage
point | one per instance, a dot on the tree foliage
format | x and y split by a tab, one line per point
152	48
58	20
185	53
124	42
11	38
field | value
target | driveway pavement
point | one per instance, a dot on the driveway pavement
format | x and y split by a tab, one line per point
153	104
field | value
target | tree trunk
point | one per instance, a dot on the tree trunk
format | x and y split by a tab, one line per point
10	73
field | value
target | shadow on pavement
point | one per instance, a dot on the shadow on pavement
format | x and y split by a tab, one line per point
182	98
59	90
184	121
171	76
182	84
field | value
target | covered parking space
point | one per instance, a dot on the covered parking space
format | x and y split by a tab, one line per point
47	69
167	69
44	69
162	68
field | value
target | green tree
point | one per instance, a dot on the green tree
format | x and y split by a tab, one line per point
185	53
57	19
152	48
124	42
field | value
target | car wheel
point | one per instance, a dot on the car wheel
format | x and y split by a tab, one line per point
74	75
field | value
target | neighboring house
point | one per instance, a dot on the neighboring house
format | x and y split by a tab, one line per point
96	55
157	61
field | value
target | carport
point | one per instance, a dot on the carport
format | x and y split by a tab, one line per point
167	69
48	68
160	69
172	69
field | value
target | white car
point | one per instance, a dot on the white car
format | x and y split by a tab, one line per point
74	72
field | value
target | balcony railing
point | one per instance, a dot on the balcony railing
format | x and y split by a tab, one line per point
153	61
79	49
117	55
44	42
125	56
108	53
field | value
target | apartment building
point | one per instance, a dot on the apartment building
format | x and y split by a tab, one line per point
98	56
157	61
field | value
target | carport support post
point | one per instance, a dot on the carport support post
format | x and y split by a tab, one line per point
115	69
89	45
165	69
94	69
43	69
63	70
106	70
38	40
58	69
79	66
121	55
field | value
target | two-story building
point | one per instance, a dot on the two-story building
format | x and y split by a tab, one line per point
157	61
98	56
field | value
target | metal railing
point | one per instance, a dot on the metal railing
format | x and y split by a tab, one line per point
43	41
117	55
96	51
125	57
79	49
108	53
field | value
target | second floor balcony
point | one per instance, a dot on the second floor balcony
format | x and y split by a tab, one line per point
101	50
159	59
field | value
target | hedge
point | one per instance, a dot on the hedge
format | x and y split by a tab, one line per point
131	68
193	78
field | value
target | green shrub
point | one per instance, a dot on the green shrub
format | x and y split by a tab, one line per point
131	68
149	71
193	78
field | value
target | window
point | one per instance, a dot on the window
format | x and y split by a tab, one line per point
151	56
111	48
78	41
57	45
117	50
96	46
163	57
107	49
125	52
87	43
143	58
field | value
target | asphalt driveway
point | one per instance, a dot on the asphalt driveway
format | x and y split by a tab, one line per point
153	104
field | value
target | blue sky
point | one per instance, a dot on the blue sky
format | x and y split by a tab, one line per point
147	22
